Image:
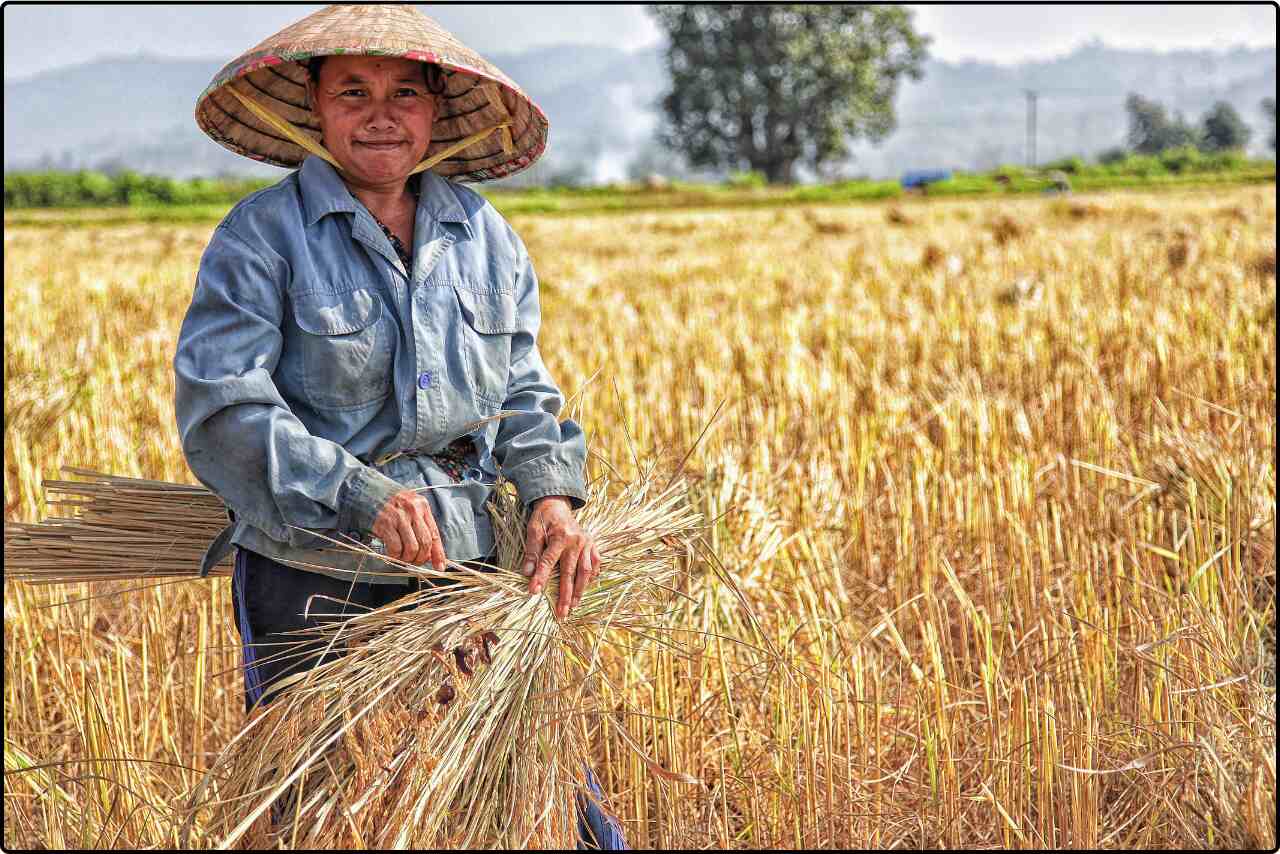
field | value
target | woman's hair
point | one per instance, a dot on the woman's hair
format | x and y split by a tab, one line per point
432	74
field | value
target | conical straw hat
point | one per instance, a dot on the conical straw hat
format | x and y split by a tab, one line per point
487	126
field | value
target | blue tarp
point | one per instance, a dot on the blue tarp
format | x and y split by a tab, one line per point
921	177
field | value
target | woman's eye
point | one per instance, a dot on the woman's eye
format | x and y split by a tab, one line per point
352	92
413	92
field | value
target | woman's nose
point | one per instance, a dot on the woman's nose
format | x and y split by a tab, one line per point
381	116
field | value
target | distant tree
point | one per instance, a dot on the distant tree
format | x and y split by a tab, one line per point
1113	155
1269	110
1180	134
764	87
1147	120
1152	131
1222	129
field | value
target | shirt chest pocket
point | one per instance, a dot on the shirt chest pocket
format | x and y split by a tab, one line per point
347	347
489	321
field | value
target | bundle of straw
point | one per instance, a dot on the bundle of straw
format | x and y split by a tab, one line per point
116	528
361	752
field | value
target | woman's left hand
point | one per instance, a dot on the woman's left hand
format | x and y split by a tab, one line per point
554	537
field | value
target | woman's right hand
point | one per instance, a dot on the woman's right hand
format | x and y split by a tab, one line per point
408	530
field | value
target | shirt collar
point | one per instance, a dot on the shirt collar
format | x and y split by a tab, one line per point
323	192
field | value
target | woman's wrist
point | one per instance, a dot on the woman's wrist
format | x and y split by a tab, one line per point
568	503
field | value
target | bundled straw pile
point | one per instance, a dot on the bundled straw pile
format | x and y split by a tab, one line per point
397	743
116	528
362	752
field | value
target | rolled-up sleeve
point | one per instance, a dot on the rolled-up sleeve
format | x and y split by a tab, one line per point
238	434
540	454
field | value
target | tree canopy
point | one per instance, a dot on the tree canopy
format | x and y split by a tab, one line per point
1222	129
764	86
1151	130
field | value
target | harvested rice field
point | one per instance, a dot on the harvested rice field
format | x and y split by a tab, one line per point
996	479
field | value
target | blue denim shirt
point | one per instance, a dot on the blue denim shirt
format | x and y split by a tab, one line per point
309	355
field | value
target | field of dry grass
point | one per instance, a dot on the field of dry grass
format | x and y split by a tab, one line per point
998	477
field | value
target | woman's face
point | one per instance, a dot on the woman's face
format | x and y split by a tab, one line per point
375	116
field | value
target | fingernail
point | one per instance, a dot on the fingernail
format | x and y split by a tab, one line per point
527	569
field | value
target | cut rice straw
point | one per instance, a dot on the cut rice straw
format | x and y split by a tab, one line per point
359	752
117	529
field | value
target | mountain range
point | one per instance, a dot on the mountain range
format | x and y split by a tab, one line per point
136	112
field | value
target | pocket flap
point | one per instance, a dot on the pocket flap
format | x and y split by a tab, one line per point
490	312
337	314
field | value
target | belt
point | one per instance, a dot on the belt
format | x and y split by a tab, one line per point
469	428
415	452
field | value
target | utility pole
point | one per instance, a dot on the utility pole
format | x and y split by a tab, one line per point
1031	126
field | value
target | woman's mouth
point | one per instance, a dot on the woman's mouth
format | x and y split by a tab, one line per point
381	146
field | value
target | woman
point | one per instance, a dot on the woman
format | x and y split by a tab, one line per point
367	328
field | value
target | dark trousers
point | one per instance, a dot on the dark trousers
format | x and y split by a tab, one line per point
270	600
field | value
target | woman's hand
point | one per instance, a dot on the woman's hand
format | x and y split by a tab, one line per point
407	528
554	537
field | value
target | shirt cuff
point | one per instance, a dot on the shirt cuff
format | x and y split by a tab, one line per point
362	497
542	481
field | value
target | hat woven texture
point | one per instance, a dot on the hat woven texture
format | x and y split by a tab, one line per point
273	75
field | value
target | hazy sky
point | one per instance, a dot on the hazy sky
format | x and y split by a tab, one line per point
38	37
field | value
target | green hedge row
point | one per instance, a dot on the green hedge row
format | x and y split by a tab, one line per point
94	189
1174	161
87	189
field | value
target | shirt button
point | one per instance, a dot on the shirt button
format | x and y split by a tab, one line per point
424	379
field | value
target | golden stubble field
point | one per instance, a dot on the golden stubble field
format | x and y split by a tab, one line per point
998	477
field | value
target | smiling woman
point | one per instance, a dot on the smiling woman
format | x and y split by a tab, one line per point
360	356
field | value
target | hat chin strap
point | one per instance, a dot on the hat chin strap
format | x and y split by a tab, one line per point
309	144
